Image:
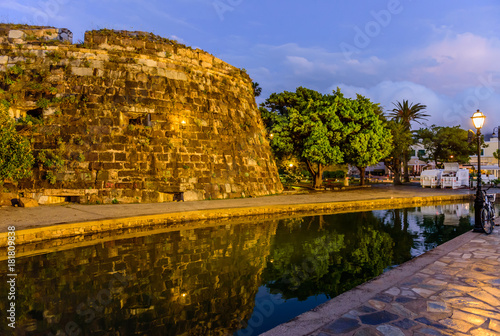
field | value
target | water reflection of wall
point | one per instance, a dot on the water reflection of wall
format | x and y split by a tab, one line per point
191	282
452	212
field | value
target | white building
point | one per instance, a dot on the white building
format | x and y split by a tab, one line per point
489	165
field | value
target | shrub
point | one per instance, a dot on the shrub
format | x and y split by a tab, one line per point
16	159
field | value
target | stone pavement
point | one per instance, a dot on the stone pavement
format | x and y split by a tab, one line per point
454	291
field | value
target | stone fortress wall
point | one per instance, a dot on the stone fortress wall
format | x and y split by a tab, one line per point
132	117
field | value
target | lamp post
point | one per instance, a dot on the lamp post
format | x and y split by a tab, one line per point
478	120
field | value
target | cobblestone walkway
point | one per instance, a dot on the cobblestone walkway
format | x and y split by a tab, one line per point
459	294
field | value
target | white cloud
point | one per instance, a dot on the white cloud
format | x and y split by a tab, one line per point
456	62
300	65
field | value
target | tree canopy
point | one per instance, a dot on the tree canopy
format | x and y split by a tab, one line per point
371	140
325	129
446	144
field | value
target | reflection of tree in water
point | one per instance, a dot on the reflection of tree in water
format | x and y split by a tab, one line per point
396	223
435	232
326	255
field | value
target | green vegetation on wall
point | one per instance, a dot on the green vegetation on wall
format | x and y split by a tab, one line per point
16	159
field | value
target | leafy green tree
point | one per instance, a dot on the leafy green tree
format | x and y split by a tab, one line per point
404	113
446	144
371	140
16	159
402	140
306	125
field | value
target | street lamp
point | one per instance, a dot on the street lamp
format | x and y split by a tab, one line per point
478	121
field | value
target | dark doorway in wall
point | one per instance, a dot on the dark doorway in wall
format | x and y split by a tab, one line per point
36	113
144	120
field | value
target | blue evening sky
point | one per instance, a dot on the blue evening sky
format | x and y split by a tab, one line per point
444	54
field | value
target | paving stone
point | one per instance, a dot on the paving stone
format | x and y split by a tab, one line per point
383	297
378	318
461	288
378	305
428	331
494	282
483	332
366	332
394	291
423	292
404	299
465	302
494	325
461	326
480	276
408	293
404	324
342	325
388	330
428	322
471	318
485	297
481	312
402	311
350	316
365	309
474	282
437	307
437	282
450	271
451	293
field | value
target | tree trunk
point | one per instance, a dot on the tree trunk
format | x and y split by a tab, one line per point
361	175
318	178
317	174
397	172
406	168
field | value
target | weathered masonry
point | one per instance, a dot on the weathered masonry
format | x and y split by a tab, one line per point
132	117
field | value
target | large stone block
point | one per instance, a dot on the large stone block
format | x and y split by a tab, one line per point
26	202
82	71
16	34
194	195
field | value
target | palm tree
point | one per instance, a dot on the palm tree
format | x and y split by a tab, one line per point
405	113
257	90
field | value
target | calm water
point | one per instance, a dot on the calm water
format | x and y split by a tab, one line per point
240	279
